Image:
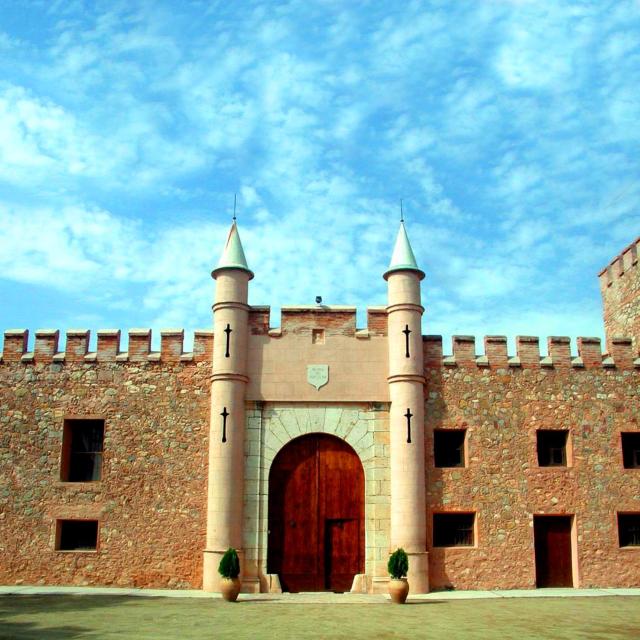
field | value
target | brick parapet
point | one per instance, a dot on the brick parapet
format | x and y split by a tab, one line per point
304	319
590	352
202	345
495	349
15	344
108	345
432	351
46	344
139	344
528	351
77	345
464	350
377	321
559	350
171	342
259	320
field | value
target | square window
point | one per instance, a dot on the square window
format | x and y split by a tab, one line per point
82	445
631	450
77	535
629	529
552	447
453	529
448	447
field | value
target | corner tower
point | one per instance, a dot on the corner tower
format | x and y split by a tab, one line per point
620	289
406	420
228	385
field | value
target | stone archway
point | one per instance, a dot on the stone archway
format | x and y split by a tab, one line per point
316	536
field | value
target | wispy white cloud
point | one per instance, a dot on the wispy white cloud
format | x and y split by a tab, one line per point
508	127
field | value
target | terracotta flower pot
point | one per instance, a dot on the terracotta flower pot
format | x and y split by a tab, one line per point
398	590
230	588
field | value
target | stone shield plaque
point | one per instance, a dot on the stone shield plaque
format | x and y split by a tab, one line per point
317	375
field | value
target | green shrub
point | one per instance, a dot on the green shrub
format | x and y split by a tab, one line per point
398	564
229	564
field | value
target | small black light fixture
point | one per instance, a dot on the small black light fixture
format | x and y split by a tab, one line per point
318	299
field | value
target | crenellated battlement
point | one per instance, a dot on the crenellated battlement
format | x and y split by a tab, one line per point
620	265
15	348
590	355
304	319
301	321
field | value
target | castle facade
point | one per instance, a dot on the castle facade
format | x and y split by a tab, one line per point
316	448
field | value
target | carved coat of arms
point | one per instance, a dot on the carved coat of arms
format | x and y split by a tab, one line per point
317	375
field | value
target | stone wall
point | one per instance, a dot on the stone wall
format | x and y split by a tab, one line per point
501	408
620	288
278	358
151	501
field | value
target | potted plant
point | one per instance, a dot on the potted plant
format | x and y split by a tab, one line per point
398	566
229	569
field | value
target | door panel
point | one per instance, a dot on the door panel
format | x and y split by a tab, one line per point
316	514
293	505
341	563
552	536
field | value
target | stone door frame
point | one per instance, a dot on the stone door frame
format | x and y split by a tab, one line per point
272	425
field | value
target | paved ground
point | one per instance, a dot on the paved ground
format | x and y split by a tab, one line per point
57	613
318	597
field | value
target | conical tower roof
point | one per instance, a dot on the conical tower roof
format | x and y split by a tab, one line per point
233	254
403	258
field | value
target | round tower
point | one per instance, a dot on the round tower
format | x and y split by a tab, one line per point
406	419
227	423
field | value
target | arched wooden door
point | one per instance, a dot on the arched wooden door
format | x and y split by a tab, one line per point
316	515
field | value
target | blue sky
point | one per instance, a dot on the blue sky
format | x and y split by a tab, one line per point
510	128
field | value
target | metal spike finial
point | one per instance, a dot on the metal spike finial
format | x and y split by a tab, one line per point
235	196
401	211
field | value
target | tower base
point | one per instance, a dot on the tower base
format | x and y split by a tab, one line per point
418	575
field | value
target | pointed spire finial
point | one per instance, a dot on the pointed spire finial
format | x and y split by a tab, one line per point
233	254
403	258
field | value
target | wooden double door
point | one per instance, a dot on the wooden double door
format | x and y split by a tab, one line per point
552	539
316	515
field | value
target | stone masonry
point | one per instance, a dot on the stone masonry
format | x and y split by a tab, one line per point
501	405
151	501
